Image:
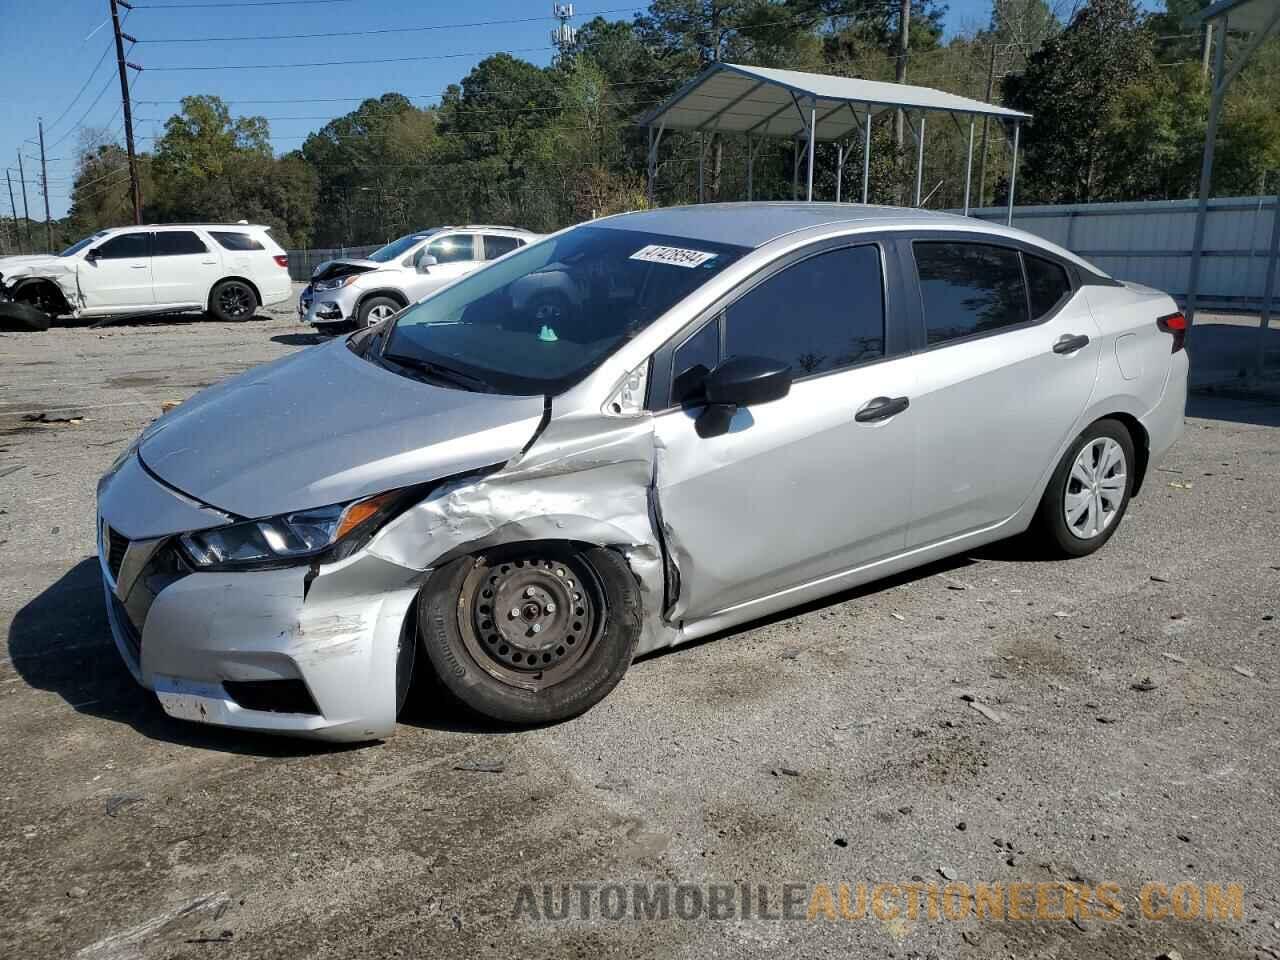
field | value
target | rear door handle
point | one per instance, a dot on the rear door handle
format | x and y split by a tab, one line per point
881	408
1070	344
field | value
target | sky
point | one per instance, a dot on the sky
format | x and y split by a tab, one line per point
52	47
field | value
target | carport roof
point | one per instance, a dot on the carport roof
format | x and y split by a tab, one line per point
765	101
1249	15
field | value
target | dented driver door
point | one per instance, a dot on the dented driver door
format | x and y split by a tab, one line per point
803	487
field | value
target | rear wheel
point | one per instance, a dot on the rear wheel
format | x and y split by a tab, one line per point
1089	491
532	634
375	310
233	300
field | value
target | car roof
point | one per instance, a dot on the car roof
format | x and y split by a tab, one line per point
186	226
753	224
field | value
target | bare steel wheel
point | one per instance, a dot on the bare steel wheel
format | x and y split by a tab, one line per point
1089	491
529	622
532	633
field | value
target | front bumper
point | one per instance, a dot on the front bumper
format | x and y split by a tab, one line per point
326	308
293	650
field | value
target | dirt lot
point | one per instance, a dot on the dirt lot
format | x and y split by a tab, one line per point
835	745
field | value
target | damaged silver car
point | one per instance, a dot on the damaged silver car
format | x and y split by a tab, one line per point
630	434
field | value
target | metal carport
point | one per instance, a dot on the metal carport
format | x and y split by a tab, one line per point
1261	19
763	102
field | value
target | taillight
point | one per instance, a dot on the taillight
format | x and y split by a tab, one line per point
282	260
1176	325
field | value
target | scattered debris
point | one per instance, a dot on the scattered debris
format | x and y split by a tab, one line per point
987	712
1181	484
1106	719
121	800
1159	579
947	873
75	893
1145	685
900	618
785	772
5	471
1184	838
1244	671
167	405
905	810
46	417
1061	614
841	842
968	697
481	766
1170	955
224	937
962	826
1173	656
791	653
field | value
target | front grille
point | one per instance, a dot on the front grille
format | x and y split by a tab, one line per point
272	696
116	546
123	621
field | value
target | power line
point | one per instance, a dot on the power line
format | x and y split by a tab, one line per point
89	79
384	30
249	3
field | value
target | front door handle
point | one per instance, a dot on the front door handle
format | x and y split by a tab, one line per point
881	408
1070	344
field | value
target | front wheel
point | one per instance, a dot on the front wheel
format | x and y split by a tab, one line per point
1089	491
375	310
531	634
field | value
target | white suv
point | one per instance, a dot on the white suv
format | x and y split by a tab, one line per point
362	292
227	269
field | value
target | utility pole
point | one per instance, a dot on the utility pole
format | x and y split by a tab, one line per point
135	189
26	214
14	210
44	182
900	76
991	82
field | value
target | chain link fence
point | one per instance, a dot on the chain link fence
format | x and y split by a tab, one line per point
303	262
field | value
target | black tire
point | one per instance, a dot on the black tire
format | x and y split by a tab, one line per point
406	657
22	317
1051	529
365	316
570	672
232	301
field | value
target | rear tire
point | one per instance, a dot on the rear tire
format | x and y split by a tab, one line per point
1089	491
232	301
375	310
534	633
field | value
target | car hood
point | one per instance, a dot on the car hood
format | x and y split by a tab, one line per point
325	426
41	265
341	267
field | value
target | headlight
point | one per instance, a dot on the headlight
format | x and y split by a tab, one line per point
290	537
336	283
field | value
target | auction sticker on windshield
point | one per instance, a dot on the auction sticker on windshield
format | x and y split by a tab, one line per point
674	256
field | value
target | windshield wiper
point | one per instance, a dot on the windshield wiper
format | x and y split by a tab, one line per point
439	371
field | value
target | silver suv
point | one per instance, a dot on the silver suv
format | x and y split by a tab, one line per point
354	292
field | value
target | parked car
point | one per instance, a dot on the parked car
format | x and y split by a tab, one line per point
228	270
354	292
723	412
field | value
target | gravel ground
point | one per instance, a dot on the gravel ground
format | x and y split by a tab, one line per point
834	745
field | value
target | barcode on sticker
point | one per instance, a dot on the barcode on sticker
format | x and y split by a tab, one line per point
673	256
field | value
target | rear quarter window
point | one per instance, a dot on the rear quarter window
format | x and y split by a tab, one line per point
236	241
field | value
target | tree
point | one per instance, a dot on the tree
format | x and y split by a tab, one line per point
1071	86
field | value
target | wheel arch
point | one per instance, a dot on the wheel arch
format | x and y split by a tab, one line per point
390	292
245	280
1141	445
42	283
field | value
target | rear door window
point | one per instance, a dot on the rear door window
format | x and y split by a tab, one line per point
496	245
821	314
172	243
968	289
236	241
126	246
1047	283
454	248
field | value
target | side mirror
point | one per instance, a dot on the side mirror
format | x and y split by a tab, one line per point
740	382
92	255
426	262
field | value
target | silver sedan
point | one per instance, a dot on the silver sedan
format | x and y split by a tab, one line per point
628	435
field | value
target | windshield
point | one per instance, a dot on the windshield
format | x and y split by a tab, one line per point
397	247
539	320
75	248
